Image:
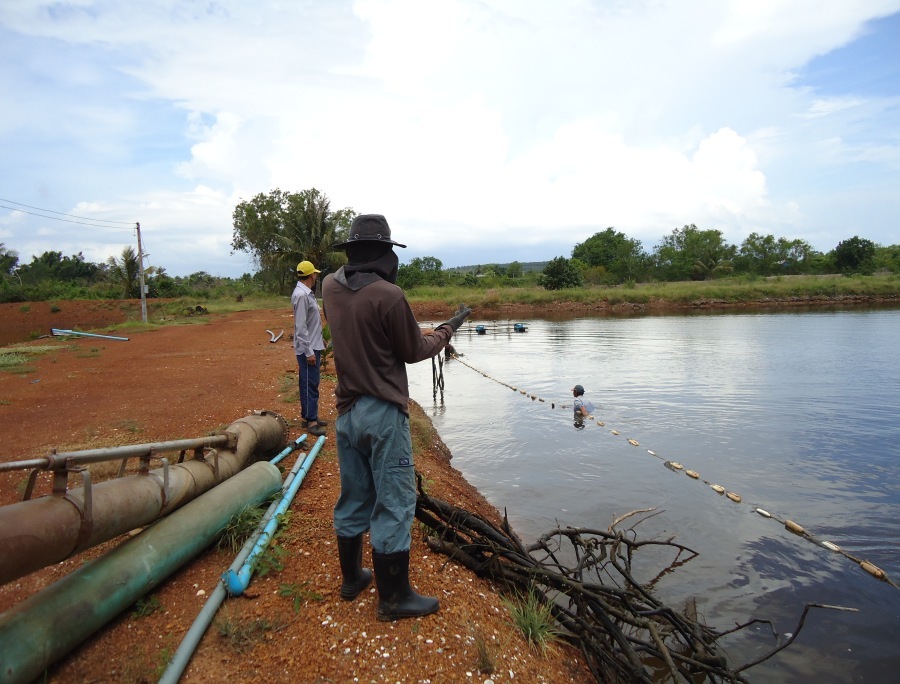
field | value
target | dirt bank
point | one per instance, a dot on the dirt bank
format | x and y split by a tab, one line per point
188	379
181	381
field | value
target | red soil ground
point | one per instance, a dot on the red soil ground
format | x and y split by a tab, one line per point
186	380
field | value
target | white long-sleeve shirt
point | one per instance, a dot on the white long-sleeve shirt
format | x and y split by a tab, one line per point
307	321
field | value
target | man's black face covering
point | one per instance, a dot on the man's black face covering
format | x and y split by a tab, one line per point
371	258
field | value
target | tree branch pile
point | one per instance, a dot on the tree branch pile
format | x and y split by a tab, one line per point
585	577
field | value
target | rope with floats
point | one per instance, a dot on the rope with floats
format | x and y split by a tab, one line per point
677	467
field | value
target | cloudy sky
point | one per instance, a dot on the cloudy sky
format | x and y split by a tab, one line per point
485	130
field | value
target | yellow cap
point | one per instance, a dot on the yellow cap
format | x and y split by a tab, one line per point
306	269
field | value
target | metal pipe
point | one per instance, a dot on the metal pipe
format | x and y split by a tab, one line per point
236	582
204	618
46	626
57	331
64	458
39	532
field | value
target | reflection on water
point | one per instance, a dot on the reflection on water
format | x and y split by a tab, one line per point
797	413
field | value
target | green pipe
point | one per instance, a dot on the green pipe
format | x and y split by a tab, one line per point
45	627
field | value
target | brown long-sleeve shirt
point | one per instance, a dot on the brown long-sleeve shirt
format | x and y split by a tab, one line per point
375	334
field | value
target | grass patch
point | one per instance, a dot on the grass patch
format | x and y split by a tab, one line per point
10	360
288	389
735	289
23	370
485	662
242	635
299	594
221	305
533	618
271	559
146	606
240	528
14	357
422	432
163	658
128	425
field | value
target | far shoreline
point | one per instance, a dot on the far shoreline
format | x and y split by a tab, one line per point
22	322
567	309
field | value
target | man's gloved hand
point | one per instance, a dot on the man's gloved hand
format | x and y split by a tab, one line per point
461	314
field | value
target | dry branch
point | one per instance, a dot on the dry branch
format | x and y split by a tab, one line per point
585	576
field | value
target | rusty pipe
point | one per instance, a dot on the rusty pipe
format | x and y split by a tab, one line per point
39	532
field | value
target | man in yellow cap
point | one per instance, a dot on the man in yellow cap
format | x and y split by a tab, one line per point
308	345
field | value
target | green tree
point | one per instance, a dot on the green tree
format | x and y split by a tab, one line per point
161	284
560	274
514	270
281	229
470	279
794	256
620	257
712	264
888	258
124	272
677	256
420	271
757	254
54	266
766	255
9	259
856	255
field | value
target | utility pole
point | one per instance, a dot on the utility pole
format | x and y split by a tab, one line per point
141	272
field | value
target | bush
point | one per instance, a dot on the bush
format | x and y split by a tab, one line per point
560	274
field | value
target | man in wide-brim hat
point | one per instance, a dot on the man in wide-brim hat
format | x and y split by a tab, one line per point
375	335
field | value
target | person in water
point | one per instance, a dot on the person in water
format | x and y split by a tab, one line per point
583	408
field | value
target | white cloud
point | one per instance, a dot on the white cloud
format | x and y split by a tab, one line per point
465	122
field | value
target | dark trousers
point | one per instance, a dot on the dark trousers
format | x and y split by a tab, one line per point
309	387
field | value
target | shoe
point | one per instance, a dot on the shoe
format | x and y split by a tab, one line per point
396	599
320	422
356	577
313	429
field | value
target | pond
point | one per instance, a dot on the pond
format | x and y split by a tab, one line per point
796	413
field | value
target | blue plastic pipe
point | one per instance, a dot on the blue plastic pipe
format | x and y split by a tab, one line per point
237	582
288	449
193	636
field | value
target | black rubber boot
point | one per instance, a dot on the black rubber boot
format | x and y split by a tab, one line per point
356	577
396	599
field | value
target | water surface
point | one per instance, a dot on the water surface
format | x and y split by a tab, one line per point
798	413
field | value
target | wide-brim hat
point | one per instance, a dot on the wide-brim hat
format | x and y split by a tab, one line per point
369	228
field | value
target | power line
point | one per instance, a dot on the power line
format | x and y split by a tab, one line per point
95	225
50	211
